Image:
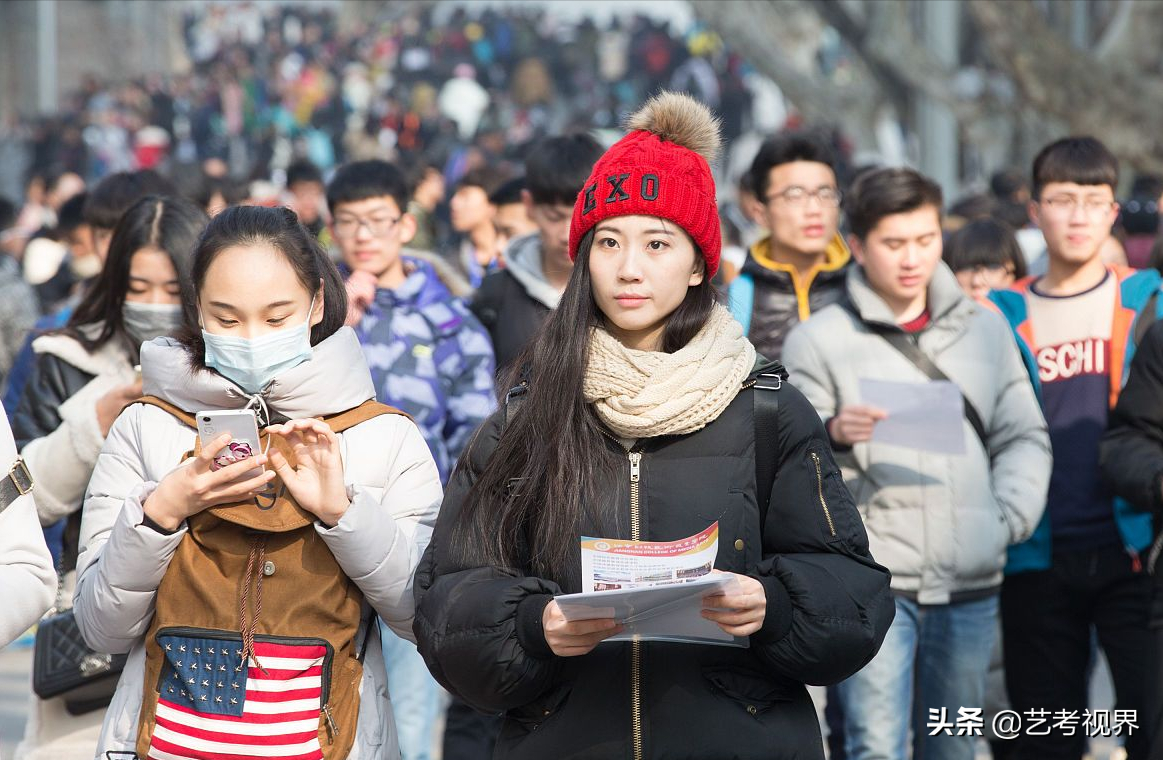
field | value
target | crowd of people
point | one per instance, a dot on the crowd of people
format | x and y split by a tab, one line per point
457	368
267	82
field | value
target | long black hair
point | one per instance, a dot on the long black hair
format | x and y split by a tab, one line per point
278	228
168	224
539	485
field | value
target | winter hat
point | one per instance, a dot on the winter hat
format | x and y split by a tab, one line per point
661	168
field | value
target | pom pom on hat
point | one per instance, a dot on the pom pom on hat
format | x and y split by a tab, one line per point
661	168
682	120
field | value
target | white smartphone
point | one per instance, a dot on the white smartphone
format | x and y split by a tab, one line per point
243	428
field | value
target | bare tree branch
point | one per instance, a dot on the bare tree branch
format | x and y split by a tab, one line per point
857	34
1088	95
900	62
1116	29
748	24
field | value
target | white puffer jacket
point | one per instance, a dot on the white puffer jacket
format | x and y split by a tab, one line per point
27	577
389	470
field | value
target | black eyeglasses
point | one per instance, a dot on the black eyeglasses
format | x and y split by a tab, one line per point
798	196
348	226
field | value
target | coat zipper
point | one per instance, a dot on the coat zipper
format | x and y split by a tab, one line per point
635	645
820	490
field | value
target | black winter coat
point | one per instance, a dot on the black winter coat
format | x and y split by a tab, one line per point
1131	454
828	608
510	315
776	309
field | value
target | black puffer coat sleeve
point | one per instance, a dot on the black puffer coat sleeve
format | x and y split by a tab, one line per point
828	602
1131	455
479	629
52	382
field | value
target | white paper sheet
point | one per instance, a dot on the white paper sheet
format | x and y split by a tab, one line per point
655	589
926	416
656	613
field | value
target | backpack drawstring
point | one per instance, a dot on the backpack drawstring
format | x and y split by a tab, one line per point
255	562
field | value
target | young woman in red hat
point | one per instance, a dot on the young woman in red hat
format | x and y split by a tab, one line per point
635	417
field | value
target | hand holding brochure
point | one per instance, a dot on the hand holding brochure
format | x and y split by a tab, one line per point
654	589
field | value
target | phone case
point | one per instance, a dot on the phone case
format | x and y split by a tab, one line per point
243	428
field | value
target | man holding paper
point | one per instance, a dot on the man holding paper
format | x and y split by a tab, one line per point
941	440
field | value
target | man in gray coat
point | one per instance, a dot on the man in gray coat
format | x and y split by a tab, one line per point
940	521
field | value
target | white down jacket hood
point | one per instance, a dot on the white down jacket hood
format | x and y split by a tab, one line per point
391	477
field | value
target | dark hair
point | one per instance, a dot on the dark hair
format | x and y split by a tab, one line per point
232	191
487	178
71	214
303	171
508	193
1147	186
784	148
984	243
556	168
280	229
977	206
1081	160
416	167
113	195
361	180
1007	183
883	192
169	224
1015	214
1139	214
537	486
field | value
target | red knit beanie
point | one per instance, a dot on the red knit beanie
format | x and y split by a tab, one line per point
659	169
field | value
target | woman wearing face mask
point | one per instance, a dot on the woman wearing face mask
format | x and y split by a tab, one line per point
637	420
83	377
264	582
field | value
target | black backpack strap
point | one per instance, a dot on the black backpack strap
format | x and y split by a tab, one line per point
766	382
908	347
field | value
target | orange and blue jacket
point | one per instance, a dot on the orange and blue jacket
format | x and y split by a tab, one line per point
1137	303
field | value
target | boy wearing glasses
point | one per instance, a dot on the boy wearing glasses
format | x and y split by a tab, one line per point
429	356
1080	575
799	267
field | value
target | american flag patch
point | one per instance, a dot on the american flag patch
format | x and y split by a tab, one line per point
212	708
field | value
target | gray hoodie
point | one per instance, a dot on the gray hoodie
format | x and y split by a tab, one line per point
523	260
940	523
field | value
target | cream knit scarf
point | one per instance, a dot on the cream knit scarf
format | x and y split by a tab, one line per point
642	394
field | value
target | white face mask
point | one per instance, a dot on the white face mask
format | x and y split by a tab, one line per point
252	363
146	321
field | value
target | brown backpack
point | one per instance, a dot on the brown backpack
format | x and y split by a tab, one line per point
253	646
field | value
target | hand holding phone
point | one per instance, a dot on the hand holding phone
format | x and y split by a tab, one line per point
197	485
